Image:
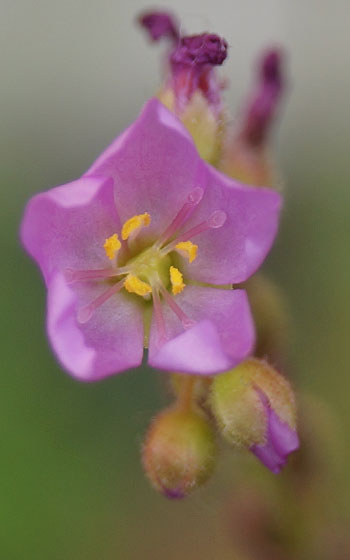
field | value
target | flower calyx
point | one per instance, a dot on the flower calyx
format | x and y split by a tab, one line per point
255	408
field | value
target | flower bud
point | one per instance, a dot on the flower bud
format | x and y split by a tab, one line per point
245	156
261	109
255	408
179	451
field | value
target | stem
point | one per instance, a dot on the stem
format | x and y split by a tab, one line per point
186	392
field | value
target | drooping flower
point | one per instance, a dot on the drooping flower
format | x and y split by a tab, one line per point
255	408
138	250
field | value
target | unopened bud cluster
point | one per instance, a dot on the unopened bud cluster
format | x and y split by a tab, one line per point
251	406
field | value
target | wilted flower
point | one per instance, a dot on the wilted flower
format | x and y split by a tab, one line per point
191	88
159	25
255	408
192	64
138	249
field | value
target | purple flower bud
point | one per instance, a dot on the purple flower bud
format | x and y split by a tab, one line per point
271	67
262	107
255	408
159	25
281	440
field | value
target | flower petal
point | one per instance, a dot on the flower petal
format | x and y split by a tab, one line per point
110	342
222	336
67	226
281	440
233	252
155	166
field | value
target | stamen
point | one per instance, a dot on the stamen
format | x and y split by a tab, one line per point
159	318
192	201
176	280
112	246
72	275
216	220
185	320
187	249
134	285
85	313
135	223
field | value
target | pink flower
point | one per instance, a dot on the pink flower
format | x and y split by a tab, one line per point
136	252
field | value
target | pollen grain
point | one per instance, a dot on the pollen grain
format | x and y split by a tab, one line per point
189	248
135	223
134	285
176	279
112	245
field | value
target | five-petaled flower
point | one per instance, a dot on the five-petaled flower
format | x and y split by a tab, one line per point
142	250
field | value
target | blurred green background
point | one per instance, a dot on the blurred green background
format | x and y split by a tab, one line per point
73	75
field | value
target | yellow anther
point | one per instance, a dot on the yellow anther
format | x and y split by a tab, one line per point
112	246
134	285
189	248
176	279
134	223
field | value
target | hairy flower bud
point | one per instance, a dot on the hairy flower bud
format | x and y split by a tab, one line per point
179	451
255	408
